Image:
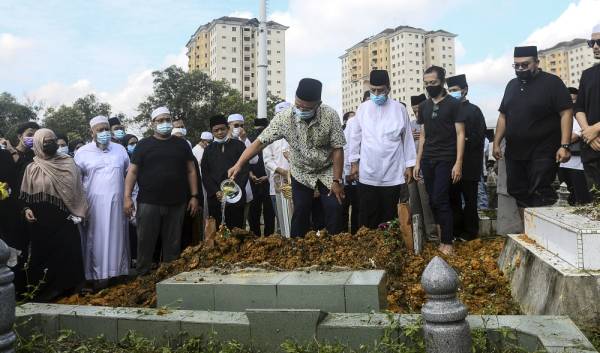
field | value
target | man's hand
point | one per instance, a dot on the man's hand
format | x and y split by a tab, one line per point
416	134
338	191
497	152
128	206
456	173
29	216
408	175
589	134
354	171
563	155
282	172
233	171
193	207
253	178
595	145
262	179
219	196
417	172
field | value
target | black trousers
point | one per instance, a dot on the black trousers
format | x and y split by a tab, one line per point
592	173
234	213
466	219
438	175
530	181
303	199
261	205
579	192
351	208
378	204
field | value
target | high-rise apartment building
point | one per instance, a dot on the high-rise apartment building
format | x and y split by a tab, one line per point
567	60
227	49
405	52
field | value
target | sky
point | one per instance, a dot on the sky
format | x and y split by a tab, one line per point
55	51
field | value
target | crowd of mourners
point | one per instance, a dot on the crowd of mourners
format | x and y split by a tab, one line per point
83	215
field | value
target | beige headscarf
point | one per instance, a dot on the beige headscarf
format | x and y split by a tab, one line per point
55	179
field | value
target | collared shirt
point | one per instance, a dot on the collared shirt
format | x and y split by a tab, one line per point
274	158
382	140
311	144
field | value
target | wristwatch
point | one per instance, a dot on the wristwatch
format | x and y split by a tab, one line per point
339	181
566	146
195	196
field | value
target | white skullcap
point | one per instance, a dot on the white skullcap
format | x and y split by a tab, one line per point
206	136
282	106
159	111
100	119
596	28
235	117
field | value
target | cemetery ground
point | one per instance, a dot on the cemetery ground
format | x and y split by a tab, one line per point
484	289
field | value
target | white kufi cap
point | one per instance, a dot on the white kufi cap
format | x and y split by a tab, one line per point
282	106
100	119
206	136
235	117
159	111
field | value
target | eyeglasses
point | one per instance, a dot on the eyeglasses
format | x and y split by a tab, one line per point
523	65
591	42
238	125
436	109
378	91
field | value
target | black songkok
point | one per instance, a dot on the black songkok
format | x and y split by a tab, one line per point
261	122
379	78
458	80
523	52
219	119
309	90
416	100
114	121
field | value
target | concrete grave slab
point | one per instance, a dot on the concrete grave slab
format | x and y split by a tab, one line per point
161	328
247	290
365	291
313	290
40	318
94	321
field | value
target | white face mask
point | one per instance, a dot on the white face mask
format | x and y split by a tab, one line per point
235	132
180	130
223	140
63	150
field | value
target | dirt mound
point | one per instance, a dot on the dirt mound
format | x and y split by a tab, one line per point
484	289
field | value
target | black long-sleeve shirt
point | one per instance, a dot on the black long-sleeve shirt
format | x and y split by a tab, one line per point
217	160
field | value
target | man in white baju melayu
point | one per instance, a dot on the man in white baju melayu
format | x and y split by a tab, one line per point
105	235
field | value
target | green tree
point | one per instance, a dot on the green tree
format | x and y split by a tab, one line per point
73	121
13	113
194	97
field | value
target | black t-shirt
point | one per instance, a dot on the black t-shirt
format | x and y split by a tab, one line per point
162	170
532	113
440	132
588	102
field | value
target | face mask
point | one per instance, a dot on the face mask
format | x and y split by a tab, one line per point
456	95
179	130
50	148
130	148
434	91
304	115
164	128
235	132
119	134
223	140
63	150
379	100
28	141
2	147
525	75
103	137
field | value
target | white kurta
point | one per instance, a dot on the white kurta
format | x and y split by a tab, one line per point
382	140
106	232
273	159
348	135
198	152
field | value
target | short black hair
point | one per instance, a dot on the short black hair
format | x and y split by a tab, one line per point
27	125
573	90
440	72
366	95
61	136
347	114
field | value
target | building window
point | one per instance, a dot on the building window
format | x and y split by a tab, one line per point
233	60
247	89
269	42
246	78
233	39
233	70
233	80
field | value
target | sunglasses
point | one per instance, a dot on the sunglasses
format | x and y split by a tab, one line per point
436	109
238	125
524	65
591	42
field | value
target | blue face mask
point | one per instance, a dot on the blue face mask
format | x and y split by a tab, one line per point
130	148
456	95
304	115
119	134
164	128
379	100
103	137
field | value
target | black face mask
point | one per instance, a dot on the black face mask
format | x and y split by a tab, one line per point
524	75
434	91
50	148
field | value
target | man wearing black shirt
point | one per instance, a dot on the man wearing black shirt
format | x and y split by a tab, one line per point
441	148
466	220
587	109
218	157
536	118
259	181
163	166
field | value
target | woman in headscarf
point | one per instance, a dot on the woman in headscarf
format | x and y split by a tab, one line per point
129	142
54	200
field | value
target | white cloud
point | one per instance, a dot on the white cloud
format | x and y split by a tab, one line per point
459	49
488	77
241	14
180	59
11	46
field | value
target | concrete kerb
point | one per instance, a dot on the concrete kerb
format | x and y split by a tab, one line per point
554	333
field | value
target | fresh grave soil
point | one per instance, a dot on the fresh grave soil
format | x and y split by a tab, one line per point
484	289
